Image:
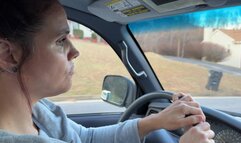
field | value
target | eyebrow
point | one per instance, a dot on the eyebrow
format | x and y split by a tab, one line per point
64	31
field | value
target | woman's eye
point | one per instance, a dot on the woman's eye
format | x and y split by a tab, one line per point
61	42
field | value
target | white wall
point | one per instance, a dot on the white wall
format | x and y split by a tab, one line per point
218	37
74	25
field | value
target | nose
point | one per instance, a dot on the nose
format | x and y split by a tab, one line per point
73	53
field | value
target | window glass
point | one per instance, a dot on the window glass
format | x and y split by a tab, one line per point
198	53
97	59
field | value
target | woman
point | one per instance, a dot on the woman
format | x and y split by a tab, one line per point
36	62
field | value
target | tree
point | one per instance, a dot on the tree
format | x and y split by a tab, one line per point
78	33
214	52
93	36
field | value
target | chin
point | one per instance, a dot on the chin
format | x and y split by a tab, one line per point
65	88
62	89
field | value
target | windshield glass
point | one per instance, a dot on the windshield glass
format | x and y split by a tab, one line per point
198	53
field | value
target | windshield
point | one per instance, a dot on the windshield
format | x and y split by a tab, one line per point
198	53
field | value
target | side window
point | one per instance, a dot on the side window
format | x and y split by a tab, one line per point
96	60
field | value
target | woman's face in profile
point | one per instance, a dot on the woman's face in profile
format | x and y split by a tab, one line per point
49	70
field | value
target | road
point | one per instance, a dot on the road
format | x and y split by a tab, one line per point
209	65
232	104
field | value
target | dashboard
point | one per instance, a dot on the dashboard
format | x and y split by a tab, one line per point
224	132
226	127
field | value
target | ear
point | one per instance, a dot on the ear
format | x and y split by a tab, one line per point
9	55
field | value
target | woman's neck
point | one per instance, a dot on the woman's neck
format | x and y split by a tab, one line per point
15	115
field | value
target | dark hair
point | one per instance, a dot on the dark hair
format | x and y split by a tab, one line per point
20	20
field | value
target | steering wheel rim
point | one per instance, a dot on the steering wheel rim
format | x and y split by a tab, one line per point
143	100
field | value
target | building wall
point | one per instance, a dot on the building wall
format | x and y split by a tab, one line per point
218	37
74	25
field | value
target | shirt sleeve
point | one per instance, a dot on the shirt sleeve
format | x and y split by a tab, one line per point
6	137
52	120
126	132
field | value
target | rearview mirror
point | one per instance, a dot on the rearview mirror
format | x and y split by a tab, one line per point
118	90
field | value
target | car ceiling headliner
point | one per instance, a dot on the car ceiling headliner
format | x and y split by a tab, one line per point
99	8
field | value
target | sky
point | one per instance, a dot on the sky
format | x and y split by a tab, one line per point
224	18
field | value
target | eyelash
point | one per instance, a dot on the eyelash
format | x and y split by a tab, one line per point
61	42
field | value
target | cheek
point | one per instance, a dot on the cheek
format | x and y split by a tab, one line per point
52	68
50	60
48	74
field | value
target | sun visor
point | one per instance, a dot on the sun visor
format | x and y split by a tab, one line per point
122	11
125	11
163	6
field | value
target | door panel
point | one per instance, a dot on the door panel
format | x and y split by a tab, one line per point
95	120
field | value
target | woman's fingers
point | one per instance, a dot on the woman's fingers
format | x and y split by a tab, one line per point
191	113
182	112
211	141
210	134
200	133
190	103
182	97
191	120
204	126
189	108
192	110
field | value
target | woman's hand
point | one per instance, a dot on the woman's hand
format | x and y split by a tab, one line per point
182	97
182	112
200	133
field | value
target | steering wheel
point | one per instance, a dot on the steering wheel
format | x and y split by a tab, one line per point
160	136
143	100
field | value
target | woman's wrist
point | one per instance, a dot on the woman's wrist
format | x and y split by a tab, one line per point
149	124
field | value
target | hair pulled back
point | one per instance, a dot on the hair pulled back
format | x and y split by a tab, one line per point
20	20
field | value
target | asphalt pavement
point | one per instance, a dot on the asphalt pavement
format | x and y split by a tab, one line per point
209	65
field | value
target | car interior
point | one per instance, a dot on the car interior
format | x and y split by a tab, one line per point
145	95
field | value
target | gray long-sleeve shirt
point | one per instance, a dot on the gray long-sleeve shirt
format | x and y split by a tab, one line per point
55	127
